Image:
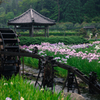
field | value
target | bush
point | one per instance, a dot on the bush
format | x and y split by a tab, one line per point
66	40
55	33
83	32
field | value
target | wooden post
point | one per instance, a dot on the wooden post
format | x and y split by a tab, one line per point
47	31
23	65
15	29
29	32
19	71
32	31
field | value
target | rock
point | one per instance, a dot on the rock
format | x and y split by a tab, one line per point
79	80
74	96
59	80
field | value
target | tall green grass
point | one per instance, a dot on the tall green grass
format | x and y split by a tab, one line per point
17	88
85	66
32	62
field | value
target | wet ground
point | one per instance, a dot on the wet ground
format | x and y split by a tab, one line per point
33	73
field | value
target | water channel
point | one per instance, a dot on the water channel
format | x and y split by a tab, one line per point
59	83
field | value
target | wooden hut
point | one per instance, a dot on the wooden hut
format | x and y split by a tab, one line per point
89	27
31	20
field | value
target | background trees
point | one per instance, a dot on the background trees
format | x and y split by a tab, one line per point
75	11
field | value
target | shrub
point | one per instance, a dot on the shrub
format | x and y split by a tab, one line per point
65	40
83	32
54	33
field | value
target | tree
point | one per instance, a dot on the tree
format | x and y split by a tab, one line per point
2	10
58	11
25	5
3	18
9	15
75	11
70	10
89	9
1	1
52	7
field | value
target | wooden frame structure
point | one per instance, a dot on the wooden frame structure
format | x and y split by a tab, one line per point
93	84
32	20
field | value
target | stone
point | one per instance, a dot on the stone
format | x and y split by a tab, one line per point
59	80
74	96
79	80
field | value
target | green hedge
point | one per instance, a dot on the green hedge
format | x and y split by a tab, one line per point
55	33
66	40
62	33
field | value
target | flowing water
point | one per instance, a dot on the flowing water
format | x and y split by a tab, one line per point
59	84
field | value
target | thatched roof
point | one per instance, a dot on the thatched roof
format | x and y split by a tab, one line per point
31	17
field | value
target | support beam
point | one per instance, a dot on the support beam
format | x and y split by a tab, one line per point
29	32
32	31
47	31
15	28
30	28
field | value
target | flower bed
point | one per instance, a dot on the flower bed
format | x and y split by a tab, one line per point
83	56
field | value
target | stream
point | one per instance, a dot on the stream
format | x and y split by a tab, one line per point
33	73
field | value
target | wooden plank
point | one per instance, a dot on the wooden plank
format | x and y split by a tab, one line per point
22	54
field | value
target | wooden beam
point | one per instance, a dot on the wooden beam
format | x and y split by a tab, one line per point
15	28
30	28
32	31
47	31
29	32
24	28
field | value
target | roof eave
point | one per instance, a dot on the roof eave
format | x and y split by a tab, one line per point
53	23
18	23
32	23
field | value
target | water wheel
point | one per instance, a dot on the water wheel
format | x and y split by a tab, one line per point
9	42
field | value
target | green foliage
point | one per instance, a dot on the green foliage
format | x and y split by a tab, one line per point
75	11
90	6
2	17
71	11
94	31
82	32
32	62
65	40
54	33
9	15
62	26
18	88
84	66
44	11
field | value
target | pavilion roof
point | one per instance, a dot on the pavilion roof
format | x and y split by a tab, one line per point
29	17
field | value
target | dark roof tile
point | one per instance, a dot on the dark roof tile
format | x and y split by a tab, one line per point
31	16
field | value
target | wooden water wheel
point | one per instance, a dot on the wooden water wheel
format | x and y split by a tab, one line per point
9	42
